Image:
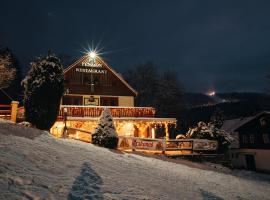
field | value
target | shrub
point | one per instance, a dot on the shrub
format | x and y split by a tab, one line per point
105	134
43	90
211	132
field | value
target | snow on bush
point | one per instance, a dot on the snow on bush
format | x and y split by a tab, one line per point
180	136
105	134
43	91
217	119
211	132
26	124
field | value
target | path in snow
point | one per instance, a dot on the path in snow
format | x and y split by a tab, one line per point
49	168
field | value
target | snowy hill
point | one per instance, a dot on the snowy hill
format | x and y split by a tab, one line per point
47	168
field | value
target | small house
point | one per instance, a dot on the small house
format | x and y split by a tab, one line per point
252	149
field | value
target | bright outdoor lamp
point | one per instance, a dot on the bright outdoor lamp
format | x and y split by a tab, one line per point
92	54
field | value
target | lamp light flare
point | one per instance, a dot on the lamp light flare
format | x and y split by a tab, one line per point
92	54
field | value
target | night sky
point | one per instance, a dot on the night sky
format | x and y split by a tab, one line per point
221	45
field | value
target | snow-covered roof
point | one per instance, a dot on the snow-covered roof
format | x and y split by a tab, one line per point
254	117
233	124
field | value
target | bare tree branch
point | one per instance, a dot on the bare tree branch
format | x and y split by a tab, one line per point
7	73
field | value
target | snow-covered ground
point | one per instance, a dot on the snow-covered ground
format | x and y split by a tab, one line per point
49	168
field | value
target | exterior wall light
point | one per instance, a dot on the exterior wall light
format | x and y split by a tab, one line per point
92	54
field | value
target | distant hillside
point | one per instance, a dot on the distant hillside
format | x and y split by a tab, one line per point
242	96
197	99
235	105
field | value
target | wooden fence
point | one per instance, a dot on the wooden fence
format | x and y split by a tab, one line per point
5	110
9	111
167	146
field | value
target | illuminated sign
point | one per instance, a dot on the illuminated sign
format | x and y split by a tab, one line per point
141	143
91	66
91	62
91	70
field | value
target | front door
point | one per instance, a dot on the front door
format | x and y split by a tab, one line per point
250	162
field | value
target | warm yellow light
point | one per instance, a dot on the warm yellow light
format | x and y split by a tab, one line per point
127	129
92	54
153	133
60	125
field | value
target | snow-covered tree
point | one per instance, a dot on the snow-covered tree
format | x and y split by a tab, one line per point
217	118
211	132
43	91
7	71
105	133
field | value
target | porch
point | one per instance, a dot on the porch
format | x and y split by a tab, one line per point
129	121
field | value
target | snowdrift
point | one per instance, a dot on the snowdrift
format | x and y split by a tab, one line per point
34	165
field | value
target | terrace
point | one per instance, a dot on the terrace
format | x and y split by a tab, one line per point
128	121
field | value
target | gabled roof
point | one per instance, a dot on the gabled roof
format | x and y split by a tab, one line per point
107	67
234	124
252	118
231	126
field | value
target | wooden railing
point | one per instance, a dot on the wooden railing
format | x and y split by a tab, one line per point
182	144
191	144
167	146
9	111
5	109
95	111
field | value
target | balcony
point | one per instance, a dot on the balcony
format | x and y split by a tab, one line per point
95	111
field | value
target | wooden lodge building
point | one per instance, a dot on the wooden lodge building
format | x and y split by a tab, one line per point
90	86
252	147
